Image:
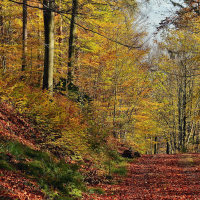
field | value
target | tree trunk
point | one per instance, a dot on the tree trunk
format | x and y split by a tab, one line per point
24	35
184	106
197	138
2	41
180	138
156	146
1	25
60	40
182	96
39	56
114	111
167	150
49	45
115	93
72	37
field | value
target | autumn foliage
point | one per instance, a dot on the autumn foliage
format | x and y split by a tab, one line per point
149	177
77	94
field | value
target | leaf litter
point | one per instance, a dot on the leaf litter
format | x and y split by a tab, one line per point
157	177
163	176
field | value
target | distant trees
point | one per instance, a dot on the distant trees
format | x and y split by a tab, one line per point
178	71
93	48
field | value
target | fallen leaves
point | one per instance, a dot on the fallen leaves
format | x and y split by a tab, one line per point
157	177
15	127
16	186
150	177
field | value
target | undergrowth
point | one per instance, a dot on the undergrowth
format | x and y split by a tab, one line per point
64	131
58	120
56	178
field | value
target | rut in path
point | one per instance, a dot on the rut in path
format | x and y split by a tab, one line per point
157	177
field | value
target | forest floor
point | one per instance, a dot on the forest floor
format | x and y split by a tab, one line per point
154	177
157	177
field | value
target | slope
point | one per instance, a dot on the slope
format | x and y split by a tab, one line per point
27	171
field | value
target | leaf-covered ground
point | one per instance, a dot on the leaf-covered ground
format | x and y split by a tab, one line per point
149	177
157	177
15	186
15	127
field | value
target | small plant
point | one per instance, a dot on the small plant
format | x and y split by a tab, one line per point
51	174
96	190
121	170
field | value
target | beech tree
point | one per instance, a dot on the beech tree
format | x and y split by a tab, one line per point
49	45
72	37
178	69
2	40
24	36
101	57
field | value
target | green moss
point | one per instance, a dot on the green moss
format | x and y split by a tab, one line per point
97	191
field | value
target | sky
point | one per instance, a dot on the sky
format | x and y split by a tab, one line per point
152	13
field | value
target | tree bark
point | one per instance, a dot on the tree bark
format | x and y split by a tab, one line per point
2	41
167	150
184	106
72	37
180	138
156	145
60	40
49	45
39	56
24	35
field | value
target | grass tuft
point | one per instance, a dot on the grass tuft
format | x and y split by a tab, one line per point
52	174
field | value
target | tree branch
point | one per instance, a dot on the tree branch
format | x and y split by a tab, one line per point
87	29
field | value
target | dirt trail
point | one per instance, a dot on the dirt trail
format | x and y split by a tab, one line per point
158	177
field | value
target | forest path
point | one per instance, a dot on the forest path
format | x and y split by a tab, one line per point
156	177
